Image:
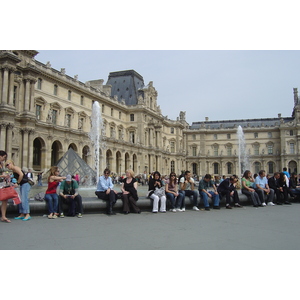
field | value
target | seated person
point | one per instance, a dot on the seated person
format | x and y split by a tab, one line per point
105	191
294	188
187	185
262	188
68	193
228	188
208	189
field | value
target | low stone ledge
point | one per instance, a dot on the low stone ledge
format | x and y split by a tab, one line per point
93	204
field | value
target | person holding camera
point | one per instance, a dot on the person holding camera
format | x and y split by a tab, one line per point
68	193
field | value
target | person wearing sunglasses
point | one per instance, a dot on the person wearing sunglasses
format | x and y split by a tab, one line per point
106	192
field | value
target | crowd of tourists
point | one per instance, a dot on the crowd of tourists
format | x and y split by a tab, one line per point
261	189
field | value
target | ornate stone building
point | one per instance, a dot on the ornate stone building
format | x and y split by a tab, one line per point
44	112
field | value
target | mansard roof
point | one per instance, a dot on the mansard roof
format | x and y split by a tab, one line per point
229	124
126	85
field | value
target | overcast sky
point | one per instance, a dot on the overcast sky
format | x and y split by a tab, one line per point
221	85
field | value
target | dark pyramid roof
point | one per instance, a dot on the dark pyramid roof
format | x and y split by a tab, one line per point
71	163
126	85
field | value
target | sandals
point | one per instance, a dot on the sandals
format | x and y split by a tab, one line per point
5	220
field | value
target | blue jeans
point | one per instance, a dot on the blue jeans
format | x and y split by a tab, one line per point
24	192
190	193
215	198
52	200
174	199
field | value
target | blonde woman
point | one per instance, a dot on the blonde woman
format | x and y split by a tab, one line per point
129	190
51	196
25	187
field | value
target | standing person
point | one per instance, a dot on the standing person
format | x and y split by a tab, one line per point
283	187
51	195
106	192
262	188
25	187
39	179
187	185
248	190
172	193
77	178
68	193
3	157
228	188
286	172
156	193
208	189
129	190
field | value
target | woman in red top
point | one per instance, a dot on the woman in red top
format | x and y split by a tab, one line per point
51	196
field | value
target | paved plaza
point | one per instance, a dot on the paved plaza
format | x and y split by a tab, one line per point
246	228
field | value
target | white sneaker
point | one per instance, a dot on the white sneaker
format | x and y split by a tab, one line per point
183	209
271	204
178	209
195	208
263	204
174	210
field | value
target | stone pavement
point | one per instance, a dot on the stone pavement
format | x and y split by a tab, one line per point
246	228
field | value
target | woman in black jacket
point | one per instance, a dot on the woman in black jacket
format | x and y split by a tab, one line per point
129	190
157	192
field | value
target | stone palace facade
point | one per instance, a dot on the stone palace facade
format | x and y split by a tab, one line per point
44	112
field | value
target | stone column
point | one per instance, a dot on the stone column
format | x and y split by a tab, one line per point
27	94
9	133
3	136
1	78
5	86
11	87
32	108
24	151
30	148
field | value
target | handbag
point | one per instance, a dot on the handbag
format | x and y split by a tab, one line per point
159	192
9	192
30	181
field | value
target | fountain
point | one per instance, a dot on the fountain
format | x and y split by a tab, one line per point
95	134
243	158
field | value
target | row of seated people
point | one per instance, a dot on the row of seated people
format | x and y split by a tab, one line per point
175	190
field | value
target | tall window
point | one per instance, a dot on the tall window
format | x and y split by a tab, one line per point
131	117
15	95
172	145
256	149
257	167
172	166
132	137
69	95
81	100
54	116
68	120
39	84
292	148
228	136
229	168
194	151
270	149
270	167
255	135
55	89
38	111
172	129
216	150
216	168
229	150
